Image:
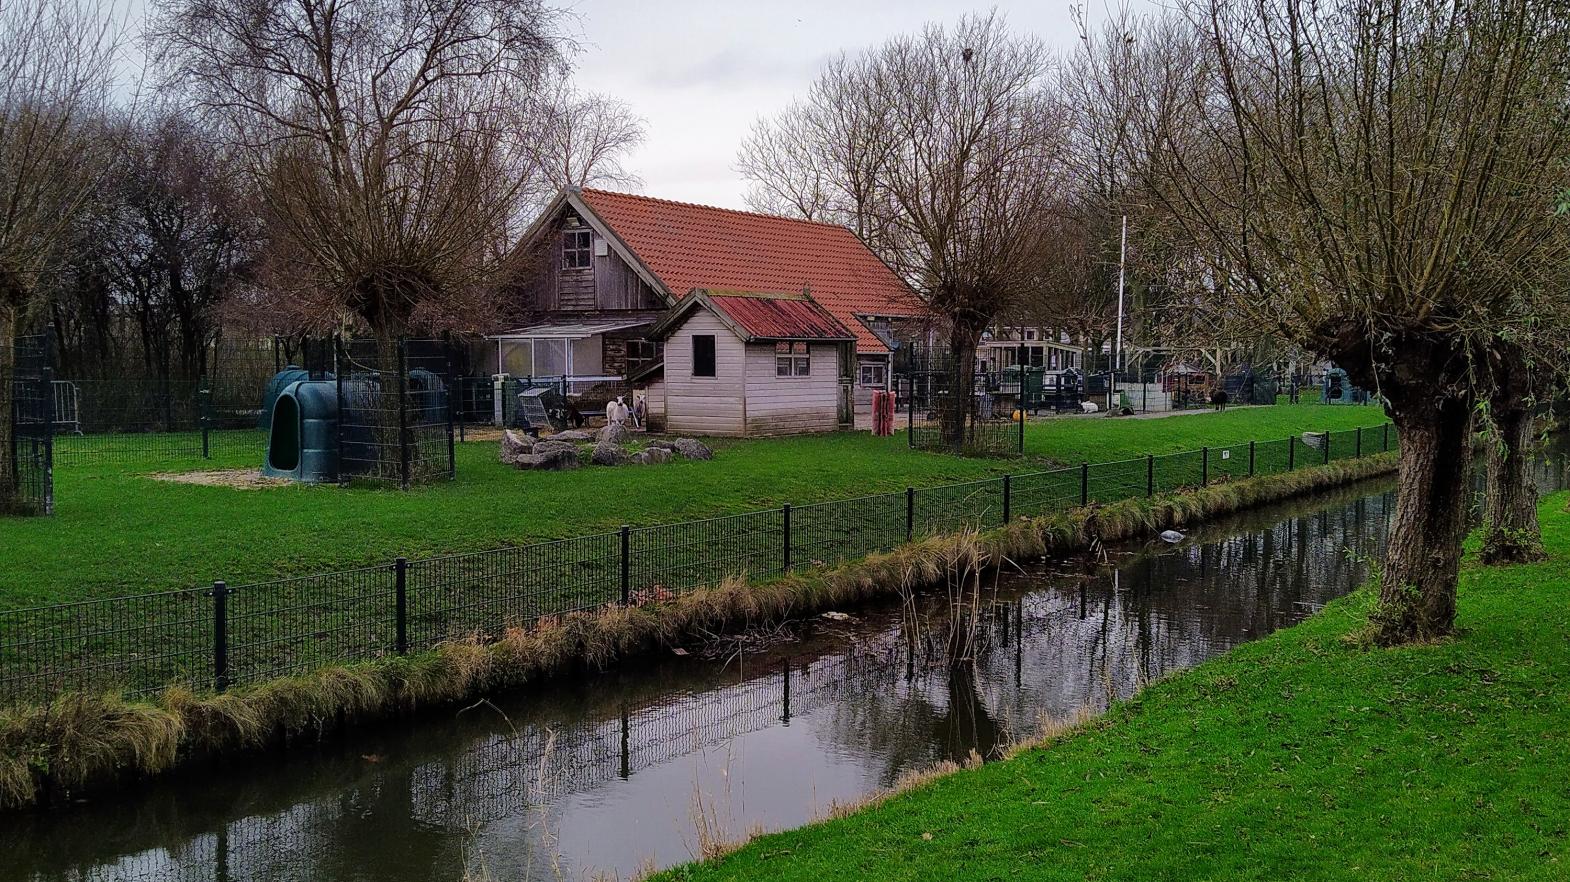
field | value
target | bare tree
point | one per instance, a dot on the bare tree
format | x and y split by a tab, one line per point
382	136
55	77
941	151
582	140
1375	181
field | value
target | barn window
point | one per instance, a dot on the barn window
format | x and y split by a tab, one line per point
874	374
641	353
703	355
576	248
792	360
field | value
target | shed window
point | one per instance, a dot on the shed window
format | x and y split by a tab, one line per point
874	374
703	355
576	248
792	360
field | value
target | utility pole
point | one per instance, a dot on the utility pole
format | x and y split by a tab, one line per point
1117	349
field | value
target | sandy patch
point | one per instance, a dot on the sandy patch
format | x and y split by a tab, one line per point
240	479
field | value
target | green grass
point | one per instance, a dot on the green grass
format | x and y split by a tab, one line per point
118	531
1301	756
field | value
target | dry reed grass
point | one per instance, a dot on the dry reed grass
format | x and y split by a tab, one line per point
83	740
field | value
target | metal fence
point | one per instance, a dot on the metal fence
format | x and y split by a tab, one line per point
219	635
26	427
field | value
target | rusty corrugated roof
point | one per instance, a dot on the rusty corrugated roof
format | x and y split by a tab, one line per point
779	316
698	246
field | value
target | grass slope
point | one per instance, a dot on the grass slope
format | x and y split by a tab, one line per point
1301	756
117	531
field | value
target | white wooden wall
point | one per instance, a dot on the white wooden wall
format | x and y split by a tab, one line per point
791	405
705	405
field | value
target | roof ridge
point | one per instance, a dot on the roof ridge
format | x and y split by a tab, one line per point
682	204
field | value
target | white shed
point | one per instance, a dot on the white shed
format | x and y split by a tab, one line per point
748	364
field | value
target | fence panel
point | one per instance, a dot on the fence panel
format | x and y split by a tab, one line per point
1178	470
829	532
675	558
1114	481
976	505
138	644
26	427
486	592
1042	493
288	626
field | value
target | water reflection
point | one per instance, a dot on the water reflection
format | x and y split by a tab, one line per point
610	771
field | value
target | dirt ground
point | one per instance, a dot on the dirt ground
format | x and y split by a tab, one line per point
240	479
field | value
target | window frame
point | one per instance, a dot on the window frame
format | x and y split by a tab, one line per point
796	362
712	356
877	366
637	361
571	252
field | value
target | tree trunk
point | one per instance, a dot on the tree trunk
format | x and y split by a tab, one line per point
955	415
1510	507
1417	594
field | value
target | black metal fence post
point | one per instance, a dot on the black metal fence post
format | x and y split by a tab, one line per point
1007	493
626	565
1291	453
1084	483
1358	448
220	595
452	453
910	513
1251	459
1150	475
340	378
403	415
1327	447
1204	466
910	414
785	530
1386	442
401	593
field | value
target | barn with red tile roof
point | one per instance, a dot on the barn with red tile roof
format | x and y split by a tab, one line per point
609	266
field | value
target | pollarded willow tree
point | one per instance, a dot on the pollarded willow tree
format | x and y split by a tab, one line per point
383	138
942	150
56	73
1376	179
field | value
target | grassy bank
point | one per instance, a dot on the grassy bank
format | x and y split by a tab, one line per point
1302	756
83	741
119	531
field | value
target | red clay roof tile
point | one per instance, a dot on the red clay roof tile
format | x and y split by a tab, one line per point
698	246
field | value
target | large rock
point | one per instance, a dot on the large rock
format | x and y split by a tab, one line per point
607	453
614	433
575	436
515	445
554	454
691	448
652	456
661	443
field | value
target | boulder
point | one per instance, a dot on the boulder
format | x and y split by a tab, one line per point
524	461
652	456
575	436
614	433
607	453
555	454
515	445
661	443
691	448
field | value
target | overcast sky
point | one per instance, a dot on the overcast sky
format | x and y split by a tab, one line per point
700	72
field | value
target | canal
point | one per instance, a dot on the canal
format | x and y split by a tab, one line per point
641	765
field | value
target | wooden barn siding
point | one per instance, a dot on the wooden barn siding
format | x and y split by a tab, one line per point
792	405
705	405
618	286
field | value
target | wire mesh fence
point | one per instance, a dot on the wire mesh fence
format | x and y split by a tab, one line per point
222	635
26	427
